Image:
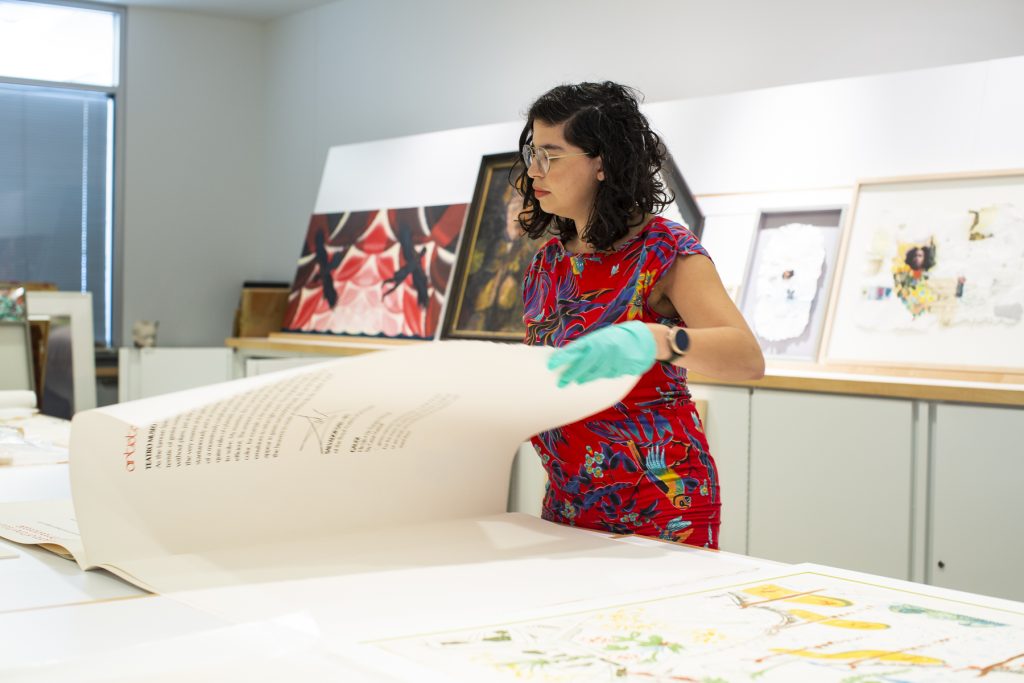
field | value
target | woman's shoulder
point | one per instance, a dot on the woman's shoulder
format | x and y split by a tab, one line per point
551	249
662	226
664	229
674	236
547	254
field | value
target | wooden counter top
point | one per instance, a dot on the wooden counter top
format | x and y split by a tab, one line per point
962	386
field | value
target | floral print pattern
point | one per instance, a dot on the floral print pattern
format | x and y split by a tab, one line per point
641	466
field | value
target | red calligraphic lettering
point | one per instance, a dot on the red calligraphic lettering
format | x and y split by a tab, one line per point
129	448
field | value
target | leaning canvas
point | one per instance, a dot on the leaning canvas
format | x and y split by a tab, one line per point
932	274
486	299
380	273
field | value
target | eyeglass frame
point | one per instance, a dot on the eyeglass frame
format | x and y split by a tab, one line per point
534	151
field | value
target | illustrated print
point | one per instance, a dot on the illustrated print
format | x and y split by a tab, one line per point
802	626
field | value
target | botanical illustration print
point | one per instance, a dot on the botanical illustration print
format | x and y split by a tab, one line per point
379	273
642	466
806	626
953	269
792	261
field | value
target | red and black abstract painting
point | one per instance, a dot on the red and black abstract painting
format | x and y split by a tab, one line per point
377	273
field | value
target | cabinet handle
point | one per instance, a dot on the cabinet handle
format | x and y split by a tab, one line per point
942	565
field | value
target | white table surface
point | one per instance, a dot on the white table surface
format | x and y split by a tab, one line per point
58	623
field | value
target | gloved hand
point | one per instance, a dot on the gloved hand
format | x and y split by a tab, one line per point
622	349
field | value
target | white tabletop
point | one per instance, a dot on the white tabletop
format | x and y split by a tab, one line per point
60	623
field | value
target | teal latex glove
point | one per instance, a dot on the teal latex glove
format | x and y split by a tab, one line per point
623	349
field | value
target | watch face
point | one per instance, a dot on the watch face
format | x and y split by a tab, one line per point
681	340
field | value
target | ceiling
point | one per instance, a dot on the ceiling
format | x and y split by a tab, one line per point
257	10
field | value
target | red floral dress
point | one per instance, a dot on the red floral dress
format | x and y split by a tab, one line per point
641	466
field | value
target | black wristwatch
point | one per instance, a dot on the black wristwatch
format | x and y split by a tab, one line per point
678	343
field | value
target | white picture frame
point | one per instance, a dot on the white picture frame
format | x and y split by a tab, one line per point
77	307
15	356
821	225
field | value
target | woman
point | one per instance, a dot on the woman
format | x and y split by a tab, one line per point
623	291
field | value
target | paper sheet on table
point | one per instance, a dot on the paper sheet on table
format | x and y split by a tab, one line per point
372	585
379	441
34	441
42	429
430	576
47	523
17	398
200	649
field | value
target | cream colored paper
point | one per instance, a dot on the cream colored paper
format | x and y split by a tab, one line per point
22	444
428	576
47	523
379	441
17	399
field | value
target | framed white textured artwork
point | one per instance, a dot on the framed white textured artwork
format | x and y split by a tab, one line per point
786	286
932	274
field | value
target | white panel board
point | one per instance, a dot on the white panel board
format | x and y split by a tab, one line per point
417	170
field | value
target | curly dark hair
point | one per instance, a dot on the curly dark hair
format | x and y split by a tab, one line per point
602	119
928	252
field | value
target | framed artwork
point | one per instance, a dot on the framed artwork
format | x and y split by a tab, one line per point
486	300
786	286
380	273
685	204
71	349
931	274
12	302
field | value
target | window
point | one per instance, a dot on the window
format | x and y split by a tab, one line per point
59	89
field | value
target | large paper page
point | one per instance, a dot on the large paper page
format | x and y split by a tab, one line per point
383	440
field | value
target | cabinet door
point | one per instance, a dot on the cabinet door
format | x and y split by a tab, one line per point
528	482
977	537
830	480
154	371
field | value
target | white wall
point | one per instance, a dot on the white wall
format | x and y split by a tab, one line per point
360	70
229	121
194	170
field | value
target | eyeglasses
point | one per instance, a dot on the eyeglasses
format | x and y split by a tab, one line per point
543	158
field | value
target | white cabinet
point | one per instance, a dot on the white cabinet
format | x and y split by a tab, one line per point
977	503
152	371
262	366
830	480
527	482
